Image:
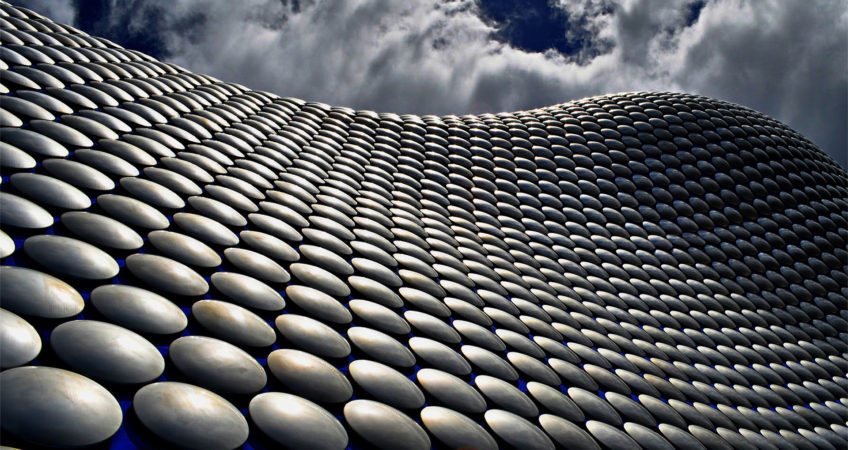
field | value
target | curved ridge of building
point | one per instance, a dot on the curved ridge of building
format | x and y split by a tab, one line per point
188	262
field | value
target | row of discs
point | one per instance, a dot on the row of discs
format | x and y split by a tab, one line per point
188	262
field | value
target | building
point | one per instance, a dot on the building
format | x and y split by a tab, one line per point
190	262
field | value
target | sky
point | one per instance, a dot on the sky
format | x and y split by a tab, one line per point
785	58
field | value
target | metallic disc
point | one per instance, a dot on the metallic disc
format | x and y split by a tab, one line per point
217	365
71	257
138	309
489	362
50	191
555	401
78	174
456	430
517	431
440	356
166	274
506	395
106	352
312	336
18	339
101	230
184	249
451	391
190	416
386	384
56	407
375	291
309	376
31	293
379	316
257	265
566	433
610	436
248	291
385	427
205	229
297	423
152	193
381	346
269	246
318	304
320	279
233	323
19	212
33	142
649	438
132	212
7	245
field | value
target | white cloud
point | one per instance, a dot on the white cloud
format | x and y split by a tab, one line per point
786	58
57	10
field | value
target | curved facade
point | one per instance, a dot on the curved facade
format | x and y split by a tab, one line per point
187	262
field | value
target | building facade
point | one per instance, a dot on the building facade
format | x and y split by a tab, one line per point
188	262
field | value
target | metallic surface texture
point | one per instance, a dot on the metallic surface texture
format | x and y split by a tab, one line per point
188	262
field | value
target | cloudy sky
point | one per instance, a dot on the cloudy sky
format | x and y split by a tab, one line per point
786	58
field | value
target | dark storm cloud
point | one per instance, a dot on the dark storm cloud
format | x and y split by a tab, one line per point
786	58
